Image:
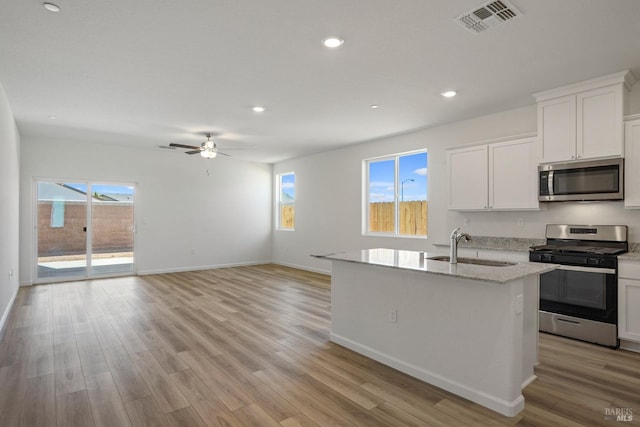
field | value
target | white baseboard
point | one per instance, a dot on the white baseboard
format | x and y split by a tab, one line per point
630	346
7	309
303	267
509	409
200	267
528	381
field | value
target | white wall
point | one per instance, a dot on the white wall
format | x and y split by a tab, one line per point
9	212
220	208
329	194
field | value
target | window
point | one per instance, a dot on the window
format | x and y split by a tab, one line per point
286	197
396	189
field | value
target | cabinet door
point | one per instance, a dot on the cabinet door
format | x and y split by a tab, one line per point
557	129
632	164
468	178
599	122
513	175
629	309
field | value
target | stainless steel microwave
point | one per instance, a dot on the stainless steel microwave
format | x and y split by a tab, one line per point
584	180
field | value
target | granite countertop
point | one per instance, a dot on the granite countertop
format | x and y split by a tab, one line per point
518	244
633	254
629	256
418	261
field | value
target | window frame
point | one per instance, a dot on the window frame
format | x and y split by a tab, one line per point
278	207
366	211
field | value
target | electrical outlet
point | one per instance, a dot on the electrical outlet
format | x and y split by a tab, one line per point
520	222
519	304
393	316
10	273
467	221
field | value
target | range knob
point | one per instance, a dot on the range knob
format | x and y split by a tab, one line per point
593	261
547	257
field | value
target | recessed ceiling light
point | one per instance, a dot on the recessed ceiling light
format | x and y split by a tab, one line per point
374	106
51	7
449	94
333	42
52	117
258	109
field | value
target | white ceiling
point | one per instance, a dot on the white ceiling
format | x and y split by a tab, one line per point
150	72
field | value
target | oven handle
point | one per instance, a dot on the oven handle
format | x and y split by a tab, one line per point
587	269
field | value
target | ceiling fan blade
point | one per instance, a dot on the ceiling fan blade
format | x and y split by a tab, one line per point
191	147
231	148
224	154
193	152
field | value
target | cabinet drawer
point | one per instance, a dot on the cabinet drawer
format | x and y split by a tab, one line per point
629	269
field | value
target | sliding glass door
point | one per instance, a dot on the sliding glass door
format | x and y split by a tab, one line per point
61	223
84	230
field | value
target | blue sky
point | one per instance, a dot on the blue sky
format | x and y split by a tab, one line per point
288	185
103	188
412	171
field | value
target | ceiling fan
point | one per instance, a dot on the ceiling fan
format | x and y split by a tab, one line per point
207	149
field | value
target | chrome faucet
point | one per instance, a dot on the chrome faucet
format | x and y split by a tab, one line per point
455	238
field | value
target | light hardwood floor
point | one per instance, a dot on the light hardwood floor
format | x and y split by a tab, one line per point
248	346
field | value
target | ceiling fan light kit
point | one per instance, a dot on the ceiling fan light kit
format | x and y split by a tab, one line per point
207	149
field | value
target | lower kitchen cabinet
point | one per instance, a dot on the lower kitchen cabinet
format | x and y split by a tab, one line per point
495	176
629	300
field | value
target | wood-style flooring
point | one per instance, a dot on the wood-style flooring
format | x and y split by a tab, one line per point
248	346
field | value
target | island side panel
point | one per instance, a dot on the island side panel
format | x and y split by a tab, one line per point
458	334
530	324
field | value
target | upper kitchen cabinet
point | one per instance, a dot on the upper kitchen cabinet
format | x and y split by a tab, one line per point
468	173
513	183
557	129
632	163
583	120
494	176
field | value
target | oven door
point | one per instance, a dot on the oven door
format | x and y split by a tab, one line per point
584	292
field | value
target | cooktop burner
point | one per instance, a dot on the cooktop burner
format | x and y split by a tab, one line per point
580	240
595	250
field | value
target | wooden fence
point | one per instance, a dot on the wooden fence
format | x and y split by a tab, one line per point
287	216
413	217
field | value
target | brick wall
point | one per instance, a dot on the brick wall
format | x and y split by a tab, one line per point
112	225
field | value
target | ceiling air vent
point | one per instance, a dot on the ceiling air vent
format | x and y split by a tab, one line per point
488	16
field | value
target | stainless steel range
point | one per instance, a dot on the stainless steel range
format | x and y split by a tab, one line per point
580	298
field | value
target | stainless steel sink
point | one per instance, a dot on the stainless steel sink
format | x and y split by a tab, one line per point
476	261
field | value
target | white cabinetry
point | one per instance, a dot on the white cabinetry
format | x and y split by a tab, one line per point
584	120
497	176
468	177
557	129
632	164
513	175
629	300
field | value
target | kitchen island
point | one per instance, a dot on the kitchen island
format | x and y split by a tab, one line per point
469	329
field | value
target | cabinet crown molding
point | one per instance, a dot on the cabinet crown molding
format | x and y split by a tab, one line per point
625	77
493	140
